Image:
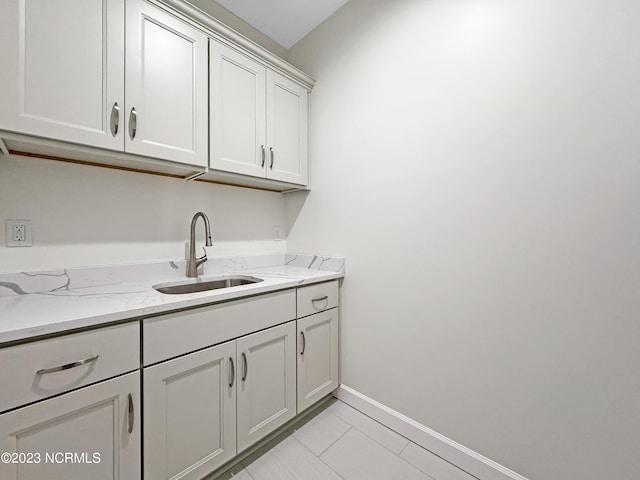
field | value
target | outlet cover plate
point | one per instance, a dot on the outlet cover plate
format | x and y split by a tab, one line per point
12	240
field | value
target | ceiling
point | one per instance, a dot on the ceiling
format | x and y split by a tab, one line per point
284	21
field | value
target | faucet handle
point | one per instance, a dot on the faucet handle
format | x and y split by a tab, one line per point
204	257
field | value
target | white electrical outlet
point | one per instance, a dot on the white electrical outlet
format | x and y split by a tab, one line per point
19	233
277	233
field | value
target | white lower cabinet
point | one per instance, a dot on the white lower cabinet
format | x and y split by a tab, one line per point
190	414
203	408
266	382
215	380
317	357
91	433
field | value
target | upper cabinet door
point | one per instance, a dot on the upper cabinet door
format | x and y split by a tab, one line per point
166	84
62	69
287	130
237	102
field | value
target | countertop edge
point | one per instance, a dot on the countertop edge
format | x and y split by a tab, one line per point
18	336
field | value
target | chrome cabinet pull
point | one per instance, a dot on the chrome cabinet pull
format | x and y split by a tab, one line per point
115	119
304	343
232	372
326	297
131	414
272	154
67	366
133	123
263	156
245	367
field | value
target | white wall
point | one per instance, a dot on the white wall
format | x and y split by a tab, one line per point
477	163
95	216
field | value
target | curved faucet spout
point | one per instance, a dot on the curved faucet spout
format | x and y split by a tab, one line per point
193	263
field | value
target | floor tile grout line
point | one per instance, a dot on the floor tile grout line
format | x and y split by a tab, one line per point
245	471
427	473
373	439
334	442
392	453
330	468
471	477
416	466
370	418
318	456
404	448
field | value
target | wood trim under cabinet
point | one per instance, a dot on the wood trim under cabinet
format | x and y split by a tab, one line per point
93	164
187	177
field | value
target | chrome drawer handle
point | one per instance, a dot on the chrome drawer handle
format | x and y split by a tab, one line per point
321	299
67	366
304	343
133	123
263	156
115	119
272	155
245	366
131	414
232	373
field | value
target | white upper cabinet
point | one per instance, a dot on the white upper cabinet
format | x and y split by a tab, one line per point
258	120
62	69
63	77
166	86
128	82
238	102
287	130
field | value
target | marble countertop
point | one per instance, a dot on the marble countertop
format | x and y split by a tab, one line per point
25	315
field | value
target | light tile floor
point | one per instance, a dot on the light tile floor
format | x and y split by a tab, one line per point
338	442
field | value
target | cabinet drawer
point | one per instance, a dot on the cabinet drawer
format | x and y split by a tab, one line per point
175	334
316	298
30	372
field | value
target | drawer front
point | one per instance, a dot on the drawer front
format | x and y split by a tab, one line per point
175	334
316	298
31	372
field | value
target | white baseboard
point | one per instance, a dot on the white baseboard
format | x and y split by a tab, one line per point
459	455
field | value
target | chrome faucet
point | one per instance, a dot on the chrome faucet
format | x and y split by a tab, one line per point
193	263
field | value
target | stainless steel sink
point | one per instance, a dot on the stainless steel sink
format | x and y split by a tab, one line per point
193	286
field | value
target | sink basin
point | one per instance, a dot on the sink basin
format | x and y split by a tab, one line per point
198	285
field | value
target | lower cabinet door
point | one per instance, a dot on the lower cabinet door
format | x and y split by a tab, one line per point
317	357
189	414
266	364
91	433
